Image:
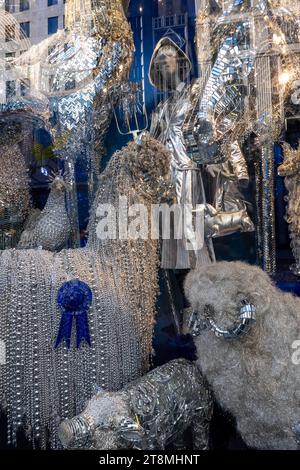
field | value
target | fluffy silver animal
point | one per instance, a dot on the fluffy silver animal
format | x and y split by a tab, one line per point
245	331
147	414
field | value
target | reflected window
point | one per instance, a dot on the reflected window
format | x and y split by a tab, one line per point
51	49
10	89
52	24
169	21
157	23
10	6
25	29
24	5
180	20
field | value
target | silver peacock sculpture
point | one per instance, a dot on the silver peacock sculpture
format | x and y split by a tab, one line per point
50	228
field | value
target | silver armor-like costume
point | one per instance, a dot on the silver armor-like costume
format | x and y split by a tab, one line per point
166	126
170	124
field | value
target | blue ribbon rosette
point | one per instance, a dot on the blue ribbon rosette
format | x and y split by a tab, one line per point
74	299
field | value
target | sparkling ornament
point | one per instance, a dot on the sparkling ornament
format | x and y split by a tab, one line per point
290	170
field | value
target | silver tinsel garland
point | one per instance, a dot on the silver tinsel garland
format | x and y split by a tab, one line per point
14	194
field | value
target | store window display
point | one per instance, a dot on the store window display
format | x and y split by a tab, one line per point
79	327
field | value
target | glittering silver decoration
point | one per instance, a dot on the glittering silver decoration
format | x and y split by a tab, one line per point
219	95
41	385
266	185
14	194
247	64
51	228
83	115
75	75
150	413
196	125
290	170
215	125
247	318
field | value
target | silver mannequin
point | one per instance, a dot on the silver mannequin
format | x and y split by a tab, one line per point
169	69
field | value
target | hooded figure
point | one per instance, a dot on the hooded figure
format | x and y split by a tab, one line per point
186	247
201	163
169	65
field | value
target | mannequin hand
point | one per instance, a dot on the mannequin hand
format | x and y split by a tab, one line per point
219	224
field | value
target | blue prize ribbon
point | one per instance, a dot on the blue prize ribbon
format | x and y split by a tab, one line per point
74	299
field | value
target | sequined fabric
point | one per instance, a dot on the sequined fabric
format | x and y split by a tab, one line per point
289	169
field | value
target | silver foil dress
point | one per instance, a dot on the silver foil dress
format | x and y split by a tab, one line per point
196	124
166	126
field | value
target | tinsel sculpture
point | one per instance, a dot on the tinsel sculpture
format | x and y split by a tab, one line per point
198	124
150	413
51	228
41	384
14	194
247	337
290	169
249	70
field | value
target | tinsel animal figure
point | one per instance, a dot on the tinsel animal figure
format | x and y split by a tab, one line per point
49	229
44	382
150	413
290	170
247	337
